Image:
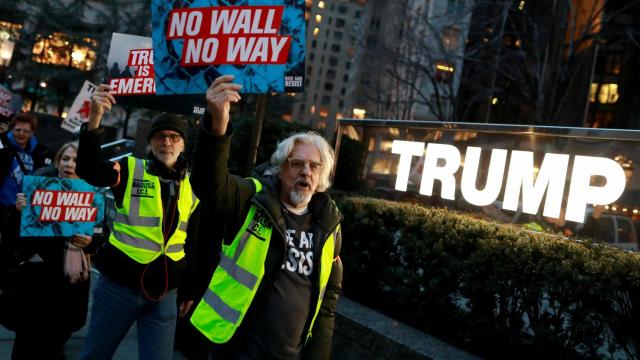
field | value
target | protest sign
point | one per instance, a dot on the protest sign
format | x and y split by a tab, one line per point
131	78
9	102
60	207
80	109
261	43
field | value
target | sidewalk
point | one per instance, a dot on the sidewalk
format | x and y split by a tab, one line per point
128	349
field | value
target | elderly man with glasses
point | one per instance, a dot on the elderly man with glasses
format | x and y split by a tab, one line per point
274	292
141	263
20	154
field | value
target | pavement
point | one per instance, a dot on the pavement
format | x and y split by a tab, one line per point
128	349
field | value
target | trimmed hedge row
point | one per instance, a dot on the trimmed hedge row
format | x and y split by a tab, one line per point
496	290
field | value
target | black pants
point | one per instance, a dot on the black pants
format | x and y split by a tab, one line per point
39	343
9	231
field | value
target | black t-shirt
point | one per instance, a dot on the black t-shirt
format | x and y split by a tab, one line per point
277	332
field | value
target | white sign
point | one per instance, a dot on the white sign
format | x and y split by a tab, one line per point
79	112
442	161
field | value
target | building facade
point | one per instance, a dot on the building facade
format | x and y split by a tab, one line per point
48	49
380	59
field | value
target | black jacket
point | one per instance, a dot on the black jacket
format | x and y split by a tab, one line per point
232	196
111	261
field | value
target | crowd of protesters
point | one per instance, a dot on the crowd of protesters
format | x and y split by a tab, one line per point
244	268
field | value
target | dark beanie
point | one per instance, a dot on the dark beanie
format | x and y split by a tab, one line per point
167	121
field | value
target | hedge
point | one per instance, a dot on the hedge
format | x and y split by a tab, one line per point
496	290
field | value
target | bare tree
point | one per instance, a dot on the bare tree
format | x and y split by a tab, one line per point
544	62
412	55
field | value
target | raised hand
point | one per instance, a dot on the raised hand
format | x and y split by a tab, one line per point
101	101
219	97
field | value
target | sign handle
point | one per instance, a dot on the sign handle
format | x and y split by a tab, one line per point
261	107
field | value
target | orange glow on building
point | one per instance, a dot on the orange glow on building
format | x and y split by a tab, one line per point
584	21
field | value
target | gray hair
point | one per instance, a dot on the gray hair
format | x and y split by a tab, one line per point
285	147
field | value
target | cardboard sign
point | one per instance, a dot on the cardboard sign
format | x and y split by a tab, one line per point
261	43
80	109
60	207
131	77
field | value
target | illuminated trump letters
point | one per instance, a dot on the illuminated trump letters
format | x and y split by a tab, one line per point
441	162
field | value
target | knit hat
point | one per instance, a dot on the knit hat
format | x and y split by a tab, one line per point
167	121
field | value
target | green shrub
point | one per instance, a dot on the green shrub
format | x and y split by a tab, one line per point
496	290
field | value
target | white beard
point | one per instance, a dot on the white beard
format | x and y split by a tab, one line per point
299	198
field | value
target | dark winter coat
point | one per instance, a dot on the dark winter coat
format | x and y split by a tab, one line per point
112	262
232	197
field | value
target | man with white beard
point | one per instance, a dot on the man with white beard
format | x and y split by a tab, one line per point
274	293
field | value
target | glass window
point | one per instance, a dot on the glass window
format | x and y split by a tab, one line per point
613	63
60	49
444	71
605	231
450	37
625	230
608	94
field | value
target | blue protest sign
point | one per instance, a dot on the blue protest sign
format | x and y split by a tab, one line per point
260	42
60	207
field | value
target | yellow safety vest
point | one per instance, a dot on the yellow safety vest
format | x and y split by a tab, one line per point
137	226
236	280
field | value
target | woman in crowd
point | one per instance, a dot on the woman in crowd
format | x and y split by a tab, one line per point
54	280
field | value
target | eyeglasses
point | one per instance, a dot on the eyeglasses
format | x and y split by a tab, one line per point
159	137
299	164
26	131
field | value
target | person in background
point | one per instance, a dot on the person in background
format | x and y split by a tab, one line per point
54	280
141	262
20	155
274	293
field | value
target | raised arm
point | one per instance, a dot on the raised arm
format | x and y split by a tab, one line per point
220	95
101	101
212	182
91	166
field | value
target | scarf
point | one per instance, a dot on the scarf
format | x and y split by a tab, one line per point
76	263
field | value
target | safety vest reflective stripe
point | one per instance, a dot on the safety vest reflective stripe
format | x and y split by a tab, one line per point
139	236
225	311
134	218
239	274
326	264
175	248
137	242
